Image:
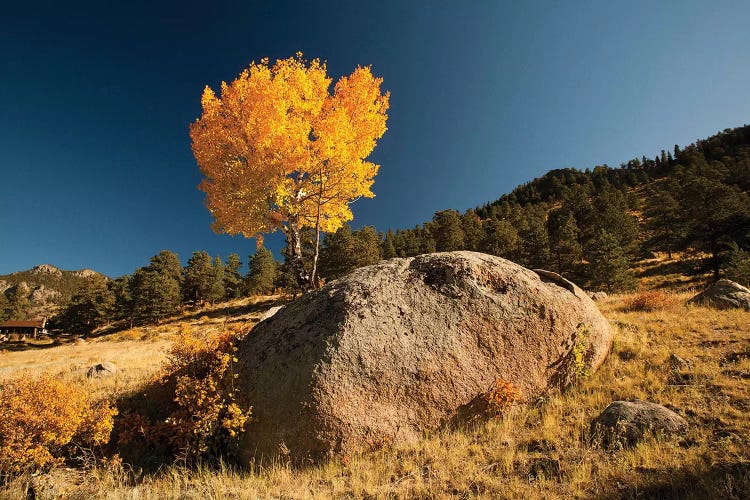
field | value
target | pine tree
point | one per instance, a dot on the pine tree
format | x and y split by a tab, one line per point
123	307
199	277
665	221
716	215
737	265
4	307
19	305
155	295
578	204
168	264
90	308
262	273
501	238
609	268
215	292
473	230
427	243
565	249
611	208
367	249
337	256
232	277
534	251
407	243
389	245
447	231
344	251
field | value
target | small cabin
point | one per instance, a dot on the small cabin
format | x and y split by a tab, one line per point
31	328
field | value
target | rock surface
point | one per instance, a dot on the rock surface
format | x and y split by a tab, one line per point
43	295
630	420
724	294
270	312
46	269
391	350
104	369
85	273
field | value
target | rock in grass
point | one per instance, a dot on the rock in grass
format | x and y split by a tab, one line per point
724	294
402	347
104	369
628	422
597	295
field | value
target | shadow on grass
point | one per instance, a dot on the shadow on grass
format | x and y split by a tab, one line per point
222	311
714	480
666	268
229	311
36	345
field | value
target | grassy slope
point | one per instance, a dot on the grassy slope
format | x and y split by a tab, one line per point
494	459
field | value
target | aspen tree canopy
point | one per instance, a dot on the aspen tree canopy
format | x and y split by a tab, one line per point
279	151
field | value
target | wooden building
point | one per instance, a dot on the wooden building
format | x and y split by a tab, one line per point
32	327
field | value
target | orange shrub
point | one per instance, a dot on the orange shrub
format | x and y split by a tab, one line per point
652	300
42	419
501	396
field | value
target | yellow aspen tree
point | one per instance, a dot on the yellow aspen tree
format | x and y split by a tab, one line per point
280	151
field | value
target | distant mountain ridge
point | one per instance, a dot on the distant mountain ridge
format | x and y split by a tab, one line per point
46	286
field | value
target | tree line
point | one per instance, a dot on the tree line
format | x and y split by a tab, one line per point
590	226
593	225
163	287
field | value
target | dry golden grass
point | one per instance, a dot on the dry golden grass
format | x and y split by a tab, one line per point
536	451
651	300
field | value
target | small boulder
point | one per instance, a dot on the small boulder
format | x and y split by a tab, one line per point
598	295
724	294
104	369
629	421
678	363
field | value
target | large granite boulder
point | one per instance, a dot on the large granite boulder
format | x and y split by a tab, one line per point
724	294
404	346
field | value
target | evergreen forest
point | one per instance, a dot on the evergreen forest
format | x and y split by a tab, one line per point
689	204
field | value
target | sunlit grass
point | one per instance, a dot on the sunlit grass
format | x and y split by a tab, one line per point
497	459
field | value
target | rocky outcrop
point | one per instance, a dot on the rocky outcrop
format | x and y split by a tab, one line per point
85	273
724	294
46	269
409	345
628	421
49	288
43	295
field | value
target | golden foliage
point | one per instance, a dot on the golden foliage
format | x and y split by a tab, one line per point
276	147
580	355
208	417
41	418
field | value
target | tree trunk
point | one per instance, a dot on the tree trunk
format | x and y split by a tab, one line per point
313	277
716	265
294	242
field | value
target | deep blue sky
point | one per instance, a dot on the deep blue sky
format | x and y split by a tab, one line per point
96	100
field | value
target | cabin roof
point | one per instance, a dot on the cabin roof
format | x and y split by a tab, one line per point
37	323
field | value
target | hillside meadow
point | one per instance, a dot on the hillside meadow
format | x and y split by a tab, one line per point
544	449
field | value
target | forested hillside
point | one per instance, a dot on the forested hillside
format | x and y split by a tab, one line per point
592	225
40	291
